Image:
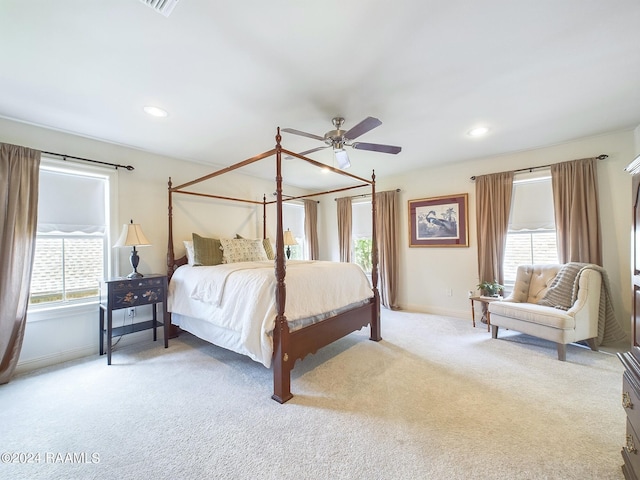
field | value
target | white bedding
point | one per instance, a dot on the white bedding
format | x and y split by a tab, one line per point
239	299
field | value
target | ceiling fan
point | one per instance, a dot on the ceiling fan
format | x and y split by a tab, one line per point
338	139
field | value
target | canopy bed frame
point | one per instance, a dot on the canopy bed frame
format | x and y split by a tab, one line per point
291	346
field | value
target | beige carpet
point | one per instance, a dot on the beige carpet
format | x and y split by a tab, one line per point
436	399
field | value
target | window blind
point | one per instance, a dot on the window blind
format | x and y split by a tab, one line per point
532	203
361	219
71	203
293	219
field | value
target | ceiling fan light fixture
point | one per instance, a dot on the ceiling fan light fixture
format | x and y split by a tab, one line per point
342	158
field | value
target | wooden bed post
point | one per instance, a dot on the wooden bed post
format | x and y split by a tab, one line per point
264	216
170	244
173	330
282	364
375	314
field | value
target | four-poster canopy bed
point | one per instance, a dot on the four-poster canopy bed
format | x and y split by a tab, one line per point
289	342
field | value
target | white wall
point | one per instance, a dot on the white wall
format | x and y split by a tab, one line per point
427	273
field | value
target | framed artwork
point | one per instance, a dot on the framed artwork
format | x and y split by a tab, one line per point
439	221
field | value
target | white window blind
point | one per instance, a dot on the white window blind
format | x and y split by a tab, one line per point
293	219
361	220
532	203
71	204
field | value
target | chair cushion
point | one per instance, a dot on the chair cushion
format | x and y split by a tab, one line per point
532	282
533	313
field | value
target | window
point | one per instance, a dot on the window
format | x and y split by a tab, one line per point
293	219
362	234
531	237
71	242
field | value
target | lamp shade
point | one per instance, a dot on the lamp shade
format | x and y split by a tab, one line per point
342	158
132	236
289	238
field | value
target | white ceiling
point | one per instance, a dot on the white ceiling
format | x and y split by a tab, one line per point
537	72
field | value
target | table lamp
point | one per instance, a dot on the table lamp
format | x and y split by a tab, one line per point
132	236
288	241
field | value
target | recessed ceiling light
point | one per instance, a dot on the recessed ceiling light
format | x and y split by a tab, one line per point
478	131
155	111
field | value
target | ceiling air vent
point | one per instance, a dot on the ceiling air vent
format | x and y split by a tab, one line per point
165	7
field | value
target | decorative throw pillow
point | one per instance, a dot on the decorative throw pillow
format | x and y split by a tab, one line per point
561	291
242	250
268	247
206	251
188	246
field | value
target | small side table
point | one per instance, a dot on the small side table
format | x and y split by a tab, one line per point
119	293
484	301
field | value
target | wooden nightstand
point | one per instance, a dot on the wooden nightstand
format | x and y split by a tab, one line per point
119	293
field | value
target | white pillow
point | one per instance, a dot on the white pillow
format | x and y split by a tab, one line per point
188	245
242	250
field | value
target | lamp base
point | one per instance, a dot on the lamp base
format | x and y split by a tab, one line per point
134	259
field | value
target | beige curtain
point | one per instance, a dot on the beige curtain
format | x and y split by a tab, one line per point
344	228
19	174
387	234
575	203
311	228
493	204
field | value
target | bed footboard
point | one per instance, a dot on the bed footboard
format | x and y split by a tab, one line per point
292	346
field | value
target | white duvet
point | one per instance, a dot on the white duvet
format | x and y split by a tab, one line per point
239	299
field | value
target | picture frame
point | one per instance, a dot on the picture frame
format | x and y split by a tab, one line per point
439	221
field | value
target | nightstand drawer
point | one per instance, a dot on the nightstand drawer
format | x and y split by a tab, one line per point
134	297
137	283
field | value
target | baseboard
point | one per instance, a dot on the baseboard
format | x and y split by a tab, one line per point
55	358
463	314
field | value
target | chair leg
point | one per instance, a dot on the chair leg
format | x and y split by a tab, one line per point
562	352
592	344
494	331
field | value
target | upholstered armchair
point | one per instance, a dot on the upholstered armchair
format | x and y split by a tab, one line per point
530	308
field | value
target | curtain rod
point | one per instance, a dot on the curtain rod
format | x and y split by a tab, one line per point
531	169
64	157
361	196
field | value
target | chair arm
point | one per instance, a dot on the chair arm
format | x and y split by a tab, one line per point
586	308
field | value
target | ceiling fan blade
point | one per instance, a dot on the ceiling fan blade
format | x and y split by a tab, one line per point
313	150
375	147
363	127
304	134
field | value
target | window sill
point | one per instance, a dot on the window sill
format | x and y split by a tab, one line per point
38	314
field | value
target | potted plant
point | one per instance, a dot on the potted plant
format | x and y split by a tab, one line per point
490	289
